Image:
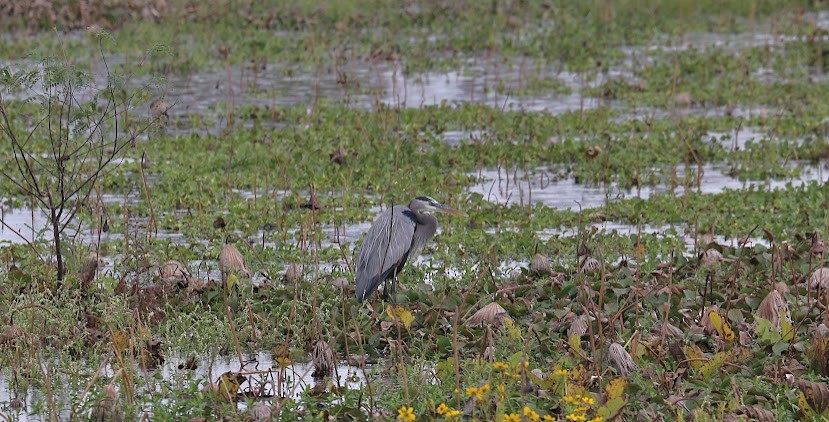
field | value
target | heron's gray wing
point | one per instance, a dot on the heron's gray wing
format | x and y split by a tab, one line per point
385	249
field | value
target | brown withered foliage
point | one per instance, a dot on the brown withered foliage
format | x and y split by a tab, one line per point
230	259
816	393
323	359
492	314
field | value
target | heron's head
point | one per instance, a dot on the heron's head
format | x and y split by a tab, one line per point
425	204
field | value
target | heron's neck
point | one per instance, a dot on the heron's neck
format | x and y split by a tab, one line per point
426	219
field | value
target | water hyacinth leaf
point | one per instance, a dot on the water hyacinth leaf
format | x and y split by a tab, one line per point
399	313
232	281
229	385
575	344
767	333
713	365
723	329
786	328
695	357
120	340
513	330
814	399
611	408
615	388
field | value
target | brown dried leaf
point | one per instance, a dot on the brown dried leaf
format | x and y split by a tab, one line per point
589	265
579	326
816	393
260	412
292	273
109	406
173	270
710	257
11	333
230	259
772	306
622	360
755	413
492	314
540	264
820	279
323	359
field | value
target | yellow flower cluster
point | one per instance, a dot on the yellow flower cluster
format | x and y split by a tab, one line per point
531	414
406	414
512	417
478	392
577	400
581	417
499	366
447	412
581	404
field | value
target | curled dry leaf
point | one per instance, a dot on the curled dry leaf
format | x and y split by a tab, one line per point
818	350
323	359
816	394
109	406
820	279
292	273
772	306
622	360
592	152
818	246
578	327
589	265
173	270
230	259
491	314
710	257
754	413
671	330
87	274
540	264
11	333
339	282
261	412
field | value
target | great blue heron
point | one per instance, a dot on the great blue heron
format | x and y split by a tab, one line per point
398	234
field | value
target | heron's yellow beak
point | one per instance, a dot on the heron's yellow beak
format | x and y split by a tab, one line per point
449	210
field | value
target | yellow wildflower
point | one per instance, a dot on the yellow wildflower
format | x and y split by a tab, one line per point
561	372
443	408
576	417
406	414
499	366
571	399
500	388
472	391
451	413
484	389
512	417
596	419
588	400
530	414
549	418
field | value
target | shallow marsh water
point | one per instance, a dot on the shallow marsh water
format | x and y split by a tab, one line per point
271	382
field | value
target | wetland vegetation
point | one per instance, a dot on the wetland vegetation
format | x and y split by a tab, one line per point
644	182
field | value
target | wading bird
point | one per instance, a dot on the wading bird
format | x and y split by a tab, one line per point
398	234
